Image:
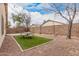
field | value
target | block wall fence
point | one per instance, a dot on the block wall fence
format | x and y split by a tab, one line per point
57	30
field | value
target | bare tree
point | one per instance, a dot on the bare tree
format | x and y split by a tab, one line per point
17	18
68	13
22	18
26	21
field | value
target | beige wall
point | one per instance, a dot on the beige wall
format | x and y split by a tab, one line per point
0	26
3	18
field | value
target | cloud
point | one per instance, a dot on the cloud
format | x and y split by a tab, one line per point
36	18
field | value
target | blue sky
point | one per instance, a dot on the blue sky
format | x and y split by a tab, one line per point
39	7
36	7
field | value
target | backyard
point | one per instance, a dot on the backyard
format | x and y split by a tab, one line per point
39	32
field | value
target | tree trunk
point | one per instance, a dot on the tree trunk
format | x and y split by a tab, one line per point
69	30
40	30
27	29
54	30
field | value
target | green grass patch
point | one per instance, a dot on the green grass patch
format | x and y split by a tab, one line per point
26	43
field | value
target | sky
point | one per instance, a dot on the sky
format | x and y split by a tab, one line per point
40	7
36	7
37	11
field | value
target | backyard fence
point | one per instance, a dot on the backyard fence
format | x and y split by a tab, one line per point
57	30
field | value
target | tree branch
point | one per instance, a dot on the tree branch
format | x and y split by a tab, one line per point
67	9
61	13
74	12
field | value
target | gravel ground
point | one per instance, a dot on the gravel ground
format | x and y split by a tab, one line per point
59	46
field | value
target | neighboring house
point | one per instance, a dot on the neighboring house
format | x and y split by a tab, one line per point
3	21
51	22
49	26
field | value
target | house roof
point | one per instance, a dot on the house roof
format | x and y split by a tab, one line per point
51	21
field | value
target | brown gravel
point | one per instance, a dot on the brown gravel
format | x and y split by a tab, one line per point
9	47
60	46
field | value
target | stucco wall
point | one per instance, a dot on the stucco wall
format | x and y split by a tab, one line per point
3	22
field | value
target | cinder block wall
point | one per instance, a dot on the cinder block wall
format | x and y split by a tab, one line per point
75	30
59	30
16	30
